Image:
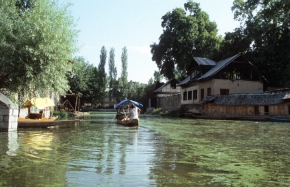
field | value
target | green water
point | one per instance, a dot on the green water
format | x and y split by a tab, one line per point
162	151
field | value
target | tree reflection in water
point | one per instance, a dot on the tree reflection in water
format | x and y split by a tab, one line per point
162	151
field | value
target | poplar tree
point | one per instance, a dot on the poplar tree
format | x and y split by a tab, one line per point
101	76
124	75
112	74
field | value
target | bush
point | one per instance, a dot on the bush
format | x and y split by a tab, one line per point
156	111
61	114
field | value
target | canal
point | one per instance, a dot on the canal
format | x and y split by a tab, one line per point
162	151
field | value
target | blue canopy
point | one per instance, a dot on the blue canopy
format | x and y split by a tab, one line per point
128	102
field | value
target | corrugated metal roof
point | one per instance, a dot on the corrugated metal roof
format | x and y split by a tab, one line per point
204	61
187	79
220	65
246	99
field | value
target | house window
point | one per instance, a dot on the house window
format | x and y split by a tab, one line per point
266	110
189	95
224	91
208	91
194	94
184	96
288	109
201	94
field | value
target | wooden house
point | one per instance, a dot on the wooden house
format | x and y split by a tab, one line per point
167	96
255	106
234	75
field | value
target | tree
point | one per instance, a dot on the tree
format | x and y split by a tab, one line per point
124	75
100	76
186	32
37	43
265	33
112	74
157	76
79	76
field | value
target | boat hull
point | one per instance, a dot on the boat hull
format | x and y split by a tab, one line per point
37	120
279	119
129	122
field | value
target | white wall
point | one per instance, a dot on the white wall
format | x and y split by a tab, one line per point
234	87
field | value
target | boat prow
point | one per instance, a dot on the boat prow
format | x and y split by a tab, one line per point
128	122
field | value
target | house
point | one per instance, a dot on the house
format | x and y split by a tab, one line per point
234	75
167	96
261	105
110	99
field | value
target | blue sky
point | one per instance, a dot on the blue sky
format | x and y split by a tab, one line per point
134	24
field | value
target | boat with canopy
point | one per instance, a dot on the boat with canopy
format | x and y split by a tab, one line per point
42	104
123	112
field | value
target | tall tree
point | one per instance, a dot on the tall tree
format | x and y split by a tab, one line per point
265	33
124	74
112	74
186	32
37	43
101	76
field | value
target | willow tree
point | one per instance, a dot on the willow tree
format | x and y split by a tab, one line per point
186	32
36	43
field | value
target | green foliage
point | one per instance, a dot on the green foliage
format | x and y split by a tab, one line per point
186	32
264	36
156	111
79	76
123	81
113	89
37	43
61	114
99	81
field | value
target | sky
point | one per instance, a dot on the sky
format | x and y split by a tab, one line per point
134	24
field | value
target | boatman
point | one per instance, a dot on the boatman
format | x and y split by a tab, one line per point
134	112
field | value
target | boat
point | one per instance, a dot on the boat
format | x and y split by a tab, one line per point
123	112
273	119
44	123
42	118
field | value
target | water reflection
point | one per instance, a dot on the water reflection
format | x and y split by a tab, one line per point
161	152
12	143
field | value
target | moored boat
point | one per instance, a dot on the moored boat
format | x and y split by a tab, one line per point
123	111
42	118
273	119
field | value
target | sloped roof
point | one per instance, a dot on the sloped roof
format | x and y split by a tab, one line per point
187	79
220	65
165	84
246	99
216	67
204	61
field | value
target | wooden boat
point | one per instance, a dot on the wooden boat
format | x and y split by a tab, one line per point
128	122
37	120
43	118
253	118
279	119
44	123
123	111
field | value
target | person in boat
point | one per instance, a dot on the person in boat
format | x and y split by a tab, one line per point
134	112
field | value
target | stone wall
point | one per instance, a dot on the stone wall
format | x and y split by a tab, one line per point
8	114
